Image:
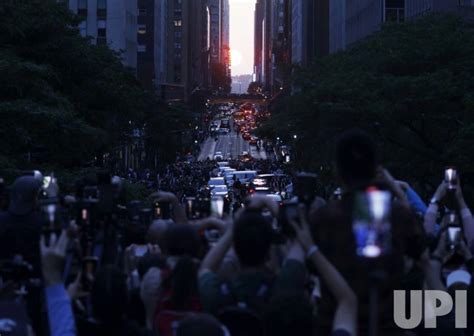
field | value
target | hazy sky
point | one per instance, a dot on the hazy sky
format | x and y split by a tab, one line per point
242	34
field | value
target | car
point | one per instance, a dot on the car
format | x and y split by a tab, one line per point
216	181
223	130
244	176
277	198
218	156
219	190
245	157
223	164
224	170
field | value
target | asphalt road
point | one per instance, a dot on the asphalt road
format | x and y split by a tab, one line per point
229	144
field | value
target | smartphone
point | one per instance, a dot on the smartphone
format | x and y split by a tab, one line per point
84	215
371	223
451	177
217	207
161	210
190	206
46	181
288	212
454	237
89	268
141	250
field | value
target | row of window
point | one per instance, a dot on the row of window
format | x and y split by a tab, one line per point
82	4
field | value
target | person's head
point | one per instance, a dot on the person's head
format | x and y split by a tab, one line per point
182	240
200	324
24	195
355	158
289	314
252	238
109	294
157	231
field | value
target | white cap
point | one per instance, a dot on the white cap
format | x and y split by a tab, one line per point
458	276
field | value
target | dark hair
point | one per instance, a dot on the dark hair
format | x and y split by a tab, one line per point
289	314
109	294
355	157
183	284
252	238
182	240
201	324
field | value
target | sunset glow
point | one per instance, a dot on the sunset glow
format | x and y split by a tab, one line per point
235	57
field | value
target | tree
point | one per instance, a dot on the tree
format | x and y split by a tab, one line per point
410	86
255	88
220	77
64	101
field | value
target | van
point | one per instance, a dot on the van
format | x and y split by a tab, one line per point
244	176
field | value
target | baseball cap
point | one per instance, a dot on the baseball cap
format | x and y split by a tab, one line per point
23	195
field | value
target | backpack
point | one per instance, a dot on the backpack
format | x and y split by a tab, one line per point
167	317
244	316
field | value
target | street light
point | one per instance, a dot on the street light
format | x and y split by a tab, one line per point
295	137
196	142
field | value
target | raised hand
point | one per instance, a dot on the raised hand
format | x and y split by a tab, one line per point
53	256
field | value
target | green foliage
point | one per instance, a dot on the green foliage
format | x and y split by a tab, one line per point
220	78
63	100
410	86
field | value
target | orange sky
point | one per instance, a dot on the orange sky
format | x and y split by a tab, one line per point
242	34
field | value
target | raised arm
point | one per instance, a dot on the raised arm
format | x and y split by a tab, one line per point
466	215
345	317
60	315
215	256
432	212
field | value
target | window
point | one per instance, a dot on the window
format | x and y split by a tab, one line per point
178	23
102	9
178	34
177	45
142	29
141	48
83	28
142	12
101	29
394	10
82	8
101	24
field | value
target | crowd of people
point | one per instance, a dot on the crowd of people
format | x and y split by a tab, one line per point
311	266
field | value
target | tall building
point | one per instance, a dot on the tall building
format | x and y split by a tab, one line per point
258	41
112	23
215	7
225	36
415	8
146	44
181	47
273	49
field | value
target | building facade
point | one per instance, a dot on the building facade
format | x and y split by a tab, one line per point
112	23
183	45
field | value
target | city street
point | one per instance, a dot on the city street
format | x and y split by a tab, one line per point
230	144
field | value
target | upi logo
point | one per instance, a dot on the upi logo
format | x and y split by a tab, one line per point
435	303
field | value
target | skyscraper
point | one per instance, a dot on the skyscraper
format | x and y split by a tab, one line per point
110	22
182	47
